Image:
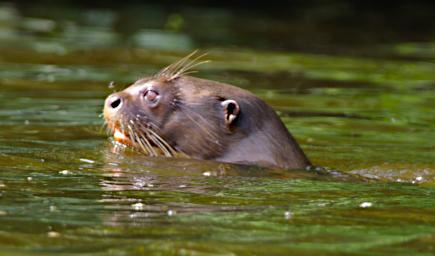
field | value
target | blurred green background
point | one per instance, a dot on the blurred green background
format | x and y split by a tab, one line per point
354	81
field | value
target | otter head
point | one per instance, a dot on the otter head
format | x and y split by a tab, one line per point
137	114
172	113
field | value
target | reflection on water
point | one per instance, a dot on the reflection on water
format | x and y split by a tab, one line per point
361	105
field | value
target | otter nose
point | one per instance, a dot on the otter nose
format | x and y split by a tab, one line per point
114	101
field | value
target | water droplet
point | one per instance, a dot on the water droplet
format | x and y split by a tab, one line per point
365	205
182	186
29	178
65	172
288	215
419	178
89	161
53	234
171	212
53	208
138	206
206	173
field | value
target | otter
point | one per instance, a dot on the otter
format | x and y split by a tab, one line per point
172	113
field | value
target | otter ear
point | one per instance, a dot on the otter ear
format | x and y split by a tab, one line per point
232	110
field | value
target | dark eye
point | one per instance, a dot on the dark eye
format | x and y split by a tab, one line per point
151	97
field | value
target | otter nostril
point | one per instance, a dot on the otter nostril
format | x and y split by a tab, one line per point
115	103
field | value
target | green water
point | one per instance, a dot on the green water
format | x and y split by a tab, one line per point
66	189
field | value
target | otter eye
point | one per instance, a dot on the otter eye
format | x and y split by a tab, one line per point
151	97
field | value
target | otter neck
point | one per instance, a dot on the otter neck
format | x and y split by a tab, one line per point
267	142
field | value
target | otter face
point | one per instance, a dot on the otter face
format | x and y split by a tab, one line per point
137	114
164	117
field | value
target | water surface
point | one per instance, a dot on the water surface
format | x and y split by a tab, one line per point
65	188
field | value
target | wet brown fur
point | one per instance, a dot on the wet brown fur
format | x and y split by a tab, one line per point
190	120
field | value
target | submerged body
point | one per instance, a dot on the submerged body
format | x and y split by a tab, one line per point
202	119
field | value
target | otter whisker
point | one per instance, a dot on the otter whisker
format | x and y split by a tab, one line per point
135	140
148	144
143	124
181	67
169	70
159	145
143	138
144	147
104	127
184	70
162	143
189	72
189	66
193	61
162	140
149	133
153	126
142	118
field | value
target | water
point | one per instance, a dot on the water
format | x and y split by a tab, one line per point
65	188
